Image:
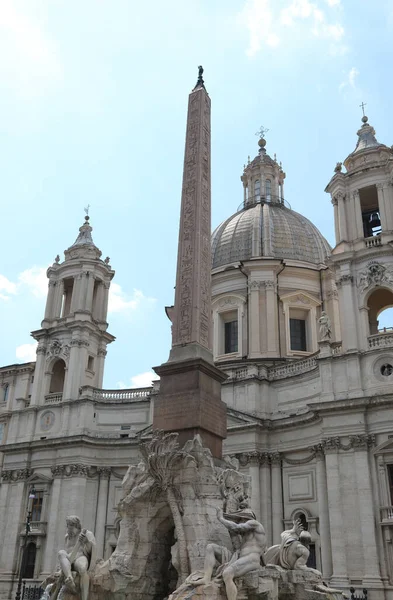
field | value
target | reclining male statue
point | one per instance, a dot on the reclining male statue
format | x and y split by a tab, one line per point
294	550
249	548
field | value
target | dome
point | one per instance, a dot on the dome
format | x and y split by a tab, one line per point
271	230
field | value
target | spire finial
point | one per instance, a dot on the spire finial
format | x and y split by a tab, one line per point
262	131
364	118
200	82
86	209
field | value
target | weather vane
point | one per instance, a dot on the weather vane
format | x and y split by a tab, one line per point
362	105
262	131
86	209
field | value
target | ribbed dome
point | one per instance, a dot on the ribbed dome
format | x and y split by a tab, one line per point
270	230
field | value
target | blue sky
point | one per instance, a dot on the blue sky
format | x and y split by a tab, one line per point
93	99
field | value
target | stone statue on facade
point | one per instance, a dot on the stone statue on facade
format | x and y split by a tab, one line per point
293	552
76	561
325	328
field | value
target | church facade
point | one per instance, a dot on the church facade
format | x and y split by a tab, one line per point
308	389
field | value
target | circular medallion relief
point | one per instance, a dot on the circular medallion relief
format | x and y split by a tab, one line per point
47	419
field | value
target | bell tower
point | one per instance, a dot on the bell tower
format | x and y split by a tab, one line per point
362	197
73	337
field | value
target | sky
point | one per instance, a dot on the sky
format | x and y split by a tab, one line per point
93	102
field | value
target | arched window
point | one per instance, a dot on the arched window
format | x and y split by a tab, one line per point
268	187
29	561
380	311
257	189
57	379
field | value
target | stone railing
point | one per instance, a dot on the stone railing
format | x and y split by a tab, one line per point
36	528
387	513
53	398
373	242
380	340
129	394
296	368
273	373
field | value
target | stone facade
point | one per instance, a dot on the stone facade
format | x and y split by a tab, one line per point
311	427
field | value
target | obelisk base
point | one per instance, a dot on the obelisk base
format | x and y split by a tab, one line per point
189	402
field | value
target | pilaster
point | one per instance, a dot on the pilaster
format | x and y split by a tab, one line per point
277	497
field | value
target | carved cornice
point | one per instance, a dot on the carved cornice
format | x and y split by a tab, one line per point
72	470
104	471
16	475
344	279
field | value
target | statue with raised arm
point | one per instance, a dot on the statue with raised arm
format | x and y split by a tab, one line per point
79	556
249	542
294	550
325	327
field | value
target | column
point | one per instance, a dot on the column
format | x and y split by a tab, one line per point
382	207
105	301
266	497
254	332
253	471
89	292
377	503
323	510
271	318
372	576
342	219
357	213
58	299
337	530
277	504
336	225
15	515
99	302
100	367
50	557
102	505
348	318
75	294
50	299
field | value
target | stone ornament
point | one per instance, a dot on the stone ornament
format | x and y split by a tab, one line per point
76	562
376	274
16	475
58	349
325	328
47	420
72	470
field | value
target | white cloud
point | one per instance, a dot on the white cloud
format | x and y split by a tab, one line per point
36	280
7	288
26	352
120	302
257	17
265	19
138	381
350	80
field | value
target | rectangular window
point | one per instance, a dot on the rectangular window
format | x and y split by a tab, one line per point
36	507
90	363
231	337
298	334
390	475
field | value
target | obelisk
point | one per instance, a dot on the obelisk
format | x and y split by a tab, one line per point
189	400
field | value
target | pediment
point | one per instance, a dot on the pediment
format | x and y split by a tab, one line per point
236	418
299	299
39	478
385	447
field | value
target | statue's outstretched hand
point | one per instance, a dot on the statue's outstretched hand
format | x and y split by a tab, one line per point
82	538
297	526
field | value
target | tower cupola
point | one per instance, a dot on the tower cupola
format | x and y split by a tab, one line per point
263	177
73	337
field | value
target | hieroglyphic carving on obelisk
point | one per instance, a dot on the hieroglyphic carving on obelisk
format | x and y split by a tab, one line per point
191	321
